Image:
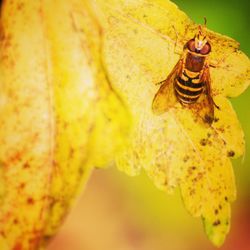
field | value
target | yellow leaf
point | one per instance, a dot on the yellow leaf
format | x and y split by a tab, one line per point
58	113
142	40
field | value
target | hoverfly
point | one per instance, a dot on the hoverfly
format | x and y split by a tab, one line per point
189	81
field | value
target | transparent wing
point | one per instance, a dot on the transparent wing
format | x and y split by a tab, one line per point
204	107
165	96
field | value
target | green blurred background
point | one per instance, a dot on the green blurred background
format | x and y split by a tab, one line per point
118	212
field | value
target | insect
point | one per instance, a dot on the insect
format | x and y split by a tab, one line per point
189	82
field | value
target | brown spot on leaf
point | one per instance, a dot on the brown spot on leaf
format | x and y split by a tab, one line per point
20	6
80	171
191	169
208	119
15	221
30	201
192	192
165	182
216	119
22	185
2	233
203	142
26	165
216	223
71	152
230	153
186	158
47	238
216	211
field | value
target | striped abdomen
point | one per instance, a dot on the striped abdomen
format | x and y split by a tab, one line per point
188	87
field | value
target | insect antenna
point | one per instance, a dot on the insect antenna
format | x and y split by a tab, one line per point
203	27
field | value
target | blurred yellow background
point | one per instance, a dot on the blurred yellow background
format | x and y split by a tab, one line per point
117	212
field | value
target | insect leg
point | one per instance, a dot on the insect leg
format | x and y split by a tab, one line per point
177	51
216	64
160	83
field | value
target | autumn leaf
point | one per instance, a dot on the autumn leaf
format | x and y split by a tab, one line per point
58	113
142	42
60	116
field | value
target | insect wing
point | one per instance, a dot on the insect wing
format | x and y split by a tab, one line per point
165	97
204	107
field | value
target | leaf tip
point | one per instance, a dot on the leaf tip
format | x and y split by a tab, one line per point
216	231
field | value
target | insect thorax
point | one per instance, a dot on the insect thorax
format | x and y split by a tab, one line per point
194	62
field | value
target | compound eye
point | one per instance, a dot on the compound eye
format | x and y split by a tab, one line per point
206	49
191	45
